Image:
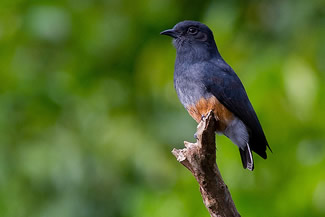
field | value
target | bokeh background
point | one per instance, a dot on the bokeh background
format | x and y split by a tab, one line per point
89	115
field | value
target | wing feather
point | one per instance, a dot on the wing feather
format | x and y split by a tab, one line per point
225	85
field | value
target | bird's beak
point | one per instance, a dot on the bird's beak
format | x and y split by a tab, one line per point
169	32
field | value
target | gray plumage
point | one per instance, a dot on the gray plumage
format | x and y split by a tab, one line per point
201	72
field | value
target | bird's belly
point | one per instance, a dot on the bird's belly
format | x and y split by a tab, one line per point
204	105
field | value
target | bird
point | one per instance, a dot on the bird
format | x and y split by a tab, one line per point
204	82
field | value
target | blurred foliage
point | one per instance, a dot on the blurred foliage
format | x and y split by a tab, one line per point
88	113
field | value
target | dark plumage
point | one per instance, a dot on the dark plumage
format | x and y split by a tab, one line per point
204	81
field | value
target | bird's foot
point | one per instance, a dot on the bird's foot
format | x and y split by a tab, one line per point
203	117
195	136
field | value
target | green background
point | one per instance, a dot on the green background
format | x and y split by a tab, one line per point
89	115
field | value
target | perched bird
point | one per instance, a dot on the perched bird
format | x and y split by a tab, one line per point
205	82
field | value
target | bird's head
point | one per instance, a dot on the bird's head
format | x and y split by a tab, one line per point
192	36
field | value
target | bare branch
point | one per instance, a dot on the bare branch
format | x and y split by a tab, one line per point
200	159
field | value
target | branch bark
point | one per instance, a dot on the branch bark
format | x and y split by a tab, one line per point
200	159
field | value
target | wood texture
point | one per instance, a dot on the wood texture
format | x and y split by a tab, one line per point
200	159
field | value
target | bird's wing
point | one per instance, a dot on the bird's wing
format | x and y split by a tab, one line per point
225	85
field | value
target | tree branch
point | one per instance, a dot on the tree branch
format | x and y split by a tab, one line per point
200	159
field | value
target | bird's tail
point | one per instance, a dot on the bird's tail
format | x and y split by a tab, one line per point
247	158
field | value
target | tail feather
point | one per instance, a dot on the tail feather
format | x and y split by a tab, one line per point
247	158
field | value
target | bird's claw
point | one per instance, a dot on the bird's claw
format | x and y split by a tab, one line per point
195	136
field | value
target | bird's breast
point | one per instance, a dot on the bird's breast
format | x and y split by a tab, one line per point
195	97
204	105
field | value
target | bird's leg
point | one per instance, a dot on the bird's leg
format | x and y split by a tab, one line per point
203	117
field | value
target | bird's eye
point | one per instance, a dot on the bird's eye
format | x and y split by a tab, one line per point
192	30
